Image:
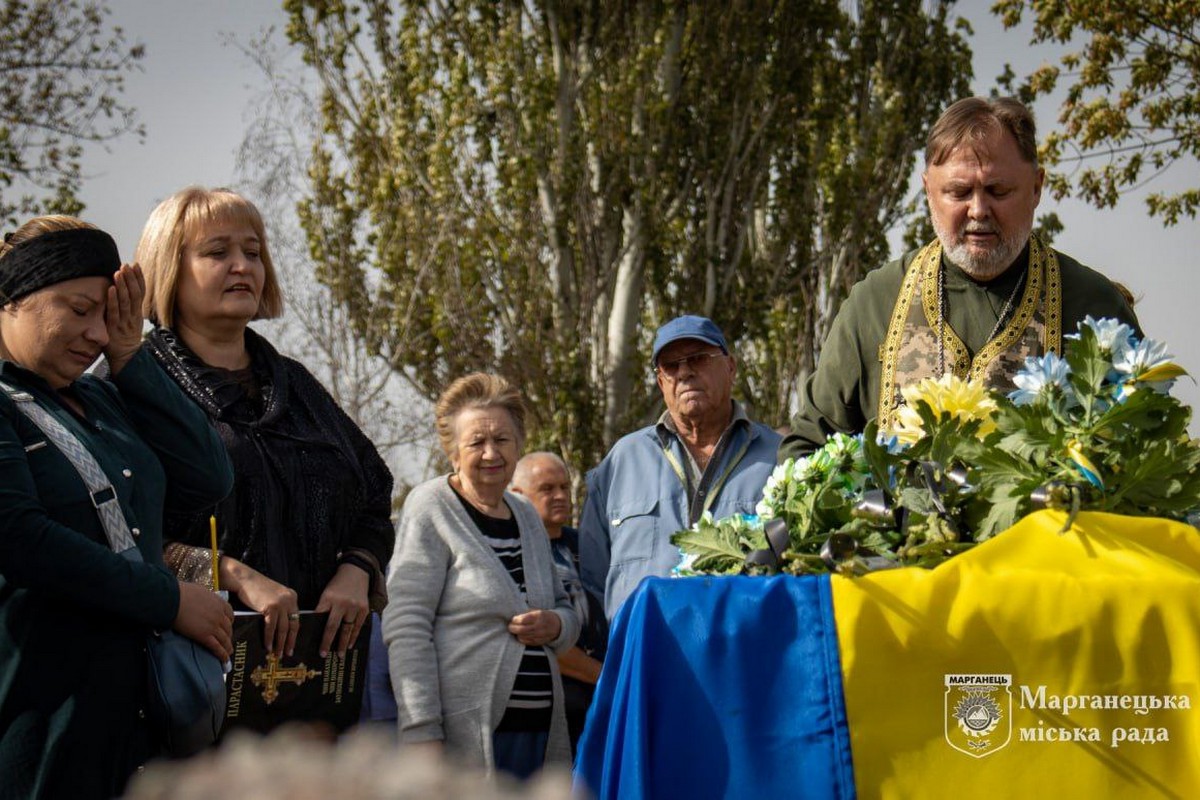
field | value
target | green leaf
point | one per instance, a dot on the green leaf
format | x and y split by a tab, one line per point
1089	365
993	466
1143	410
720	546
1157	479
878	459
1001	515
918	500
1026	432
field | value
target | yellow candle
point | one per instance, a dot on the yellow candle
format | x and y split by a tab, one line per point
216	580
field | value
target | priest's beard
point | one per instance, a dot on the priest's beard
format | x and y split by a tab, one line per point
987	265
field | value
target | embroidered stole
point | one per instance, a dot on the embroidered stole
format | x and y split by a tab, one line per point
910	351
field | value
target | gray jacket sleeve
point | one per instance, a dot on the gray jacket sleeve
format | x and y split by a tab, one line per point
416	577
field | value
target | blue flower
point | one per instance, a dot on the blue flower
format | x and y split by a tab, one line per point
891	443
1040	379
1113	337
685	568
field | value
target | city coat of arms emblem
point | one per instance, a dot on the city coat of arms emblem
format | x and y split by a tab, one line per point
978	713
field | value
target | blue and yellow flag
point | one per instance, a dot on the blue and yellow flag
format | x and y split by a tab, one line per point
1038	664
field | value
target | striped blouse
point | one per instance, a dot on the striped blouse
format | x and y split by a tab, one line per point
532	695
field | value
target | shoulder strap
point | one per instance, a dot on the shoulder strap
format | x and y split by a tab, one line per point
104	496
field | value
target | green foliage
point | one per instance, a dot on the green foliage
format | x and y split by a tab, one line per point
62	70
1132	87
720	549
532	188
1095	430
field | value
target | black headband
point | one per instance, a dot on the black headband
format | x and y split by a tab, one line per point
55	257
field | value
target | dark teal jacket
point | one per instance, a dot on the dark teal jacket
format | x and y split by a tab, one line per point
74	615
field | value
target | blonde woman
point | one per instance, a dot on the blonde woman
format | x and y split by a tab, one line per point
307	525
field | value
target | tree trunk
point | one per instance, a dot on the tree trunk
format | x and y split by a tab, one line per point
623	324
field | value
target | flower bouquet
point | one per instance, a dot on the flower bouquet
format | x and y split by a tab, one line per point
1095	429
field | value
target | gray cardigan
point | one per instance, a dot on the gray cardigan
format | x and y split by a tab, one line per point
452	660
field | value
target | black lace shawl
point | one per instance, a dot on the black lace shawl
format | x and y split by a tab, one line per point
309	487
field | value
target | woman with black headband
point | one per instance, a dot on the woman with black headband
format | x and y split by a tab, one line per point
74	614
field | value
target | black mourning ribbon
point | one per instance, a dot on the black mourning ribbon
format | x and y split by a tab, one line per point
876	508
1059	496
771	556
929	474
939	481
841	549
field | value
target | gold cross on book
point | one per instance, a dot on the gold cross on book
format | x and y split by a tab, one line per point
273	675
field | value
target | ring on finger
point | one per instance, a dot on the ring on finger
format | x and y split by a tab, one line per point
294	616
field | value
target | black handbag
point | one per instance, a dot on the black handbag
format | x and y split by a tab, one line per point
185	690
186	702
186	682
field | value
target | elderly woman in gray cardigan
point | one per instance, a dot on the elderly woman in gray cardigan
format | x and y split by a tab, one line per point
474	605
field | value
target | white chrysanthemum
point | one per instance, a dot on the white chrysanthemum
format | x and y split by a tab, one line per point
779	476
775	490
1113	337
841	445
1143	357
813	468
1147	364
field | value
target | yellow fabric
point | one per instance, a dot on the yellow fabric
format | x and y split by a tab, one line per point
1110	608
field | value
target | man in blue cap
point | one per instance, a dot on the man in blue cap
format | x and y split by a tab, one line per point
703	454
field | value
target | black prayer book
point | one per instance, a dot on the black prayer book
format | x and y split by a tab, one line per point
265	691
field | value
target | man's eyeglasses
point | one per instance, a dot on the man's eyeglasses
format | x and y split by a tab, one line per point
694	362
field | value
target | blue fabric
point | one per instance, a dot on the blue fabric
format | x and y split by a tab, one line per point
379	701
734	684
519	753
636	502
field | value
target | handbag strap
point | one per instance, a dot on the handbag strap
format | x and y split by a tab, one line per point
100	488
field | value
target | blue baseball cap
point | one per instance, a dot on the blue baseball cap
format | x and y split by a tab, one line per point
688	327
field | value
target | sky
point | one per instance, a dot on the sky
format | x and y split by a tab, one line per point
195	94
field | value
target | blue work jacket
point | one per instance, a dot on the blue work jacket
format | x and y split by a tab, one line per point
637	499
